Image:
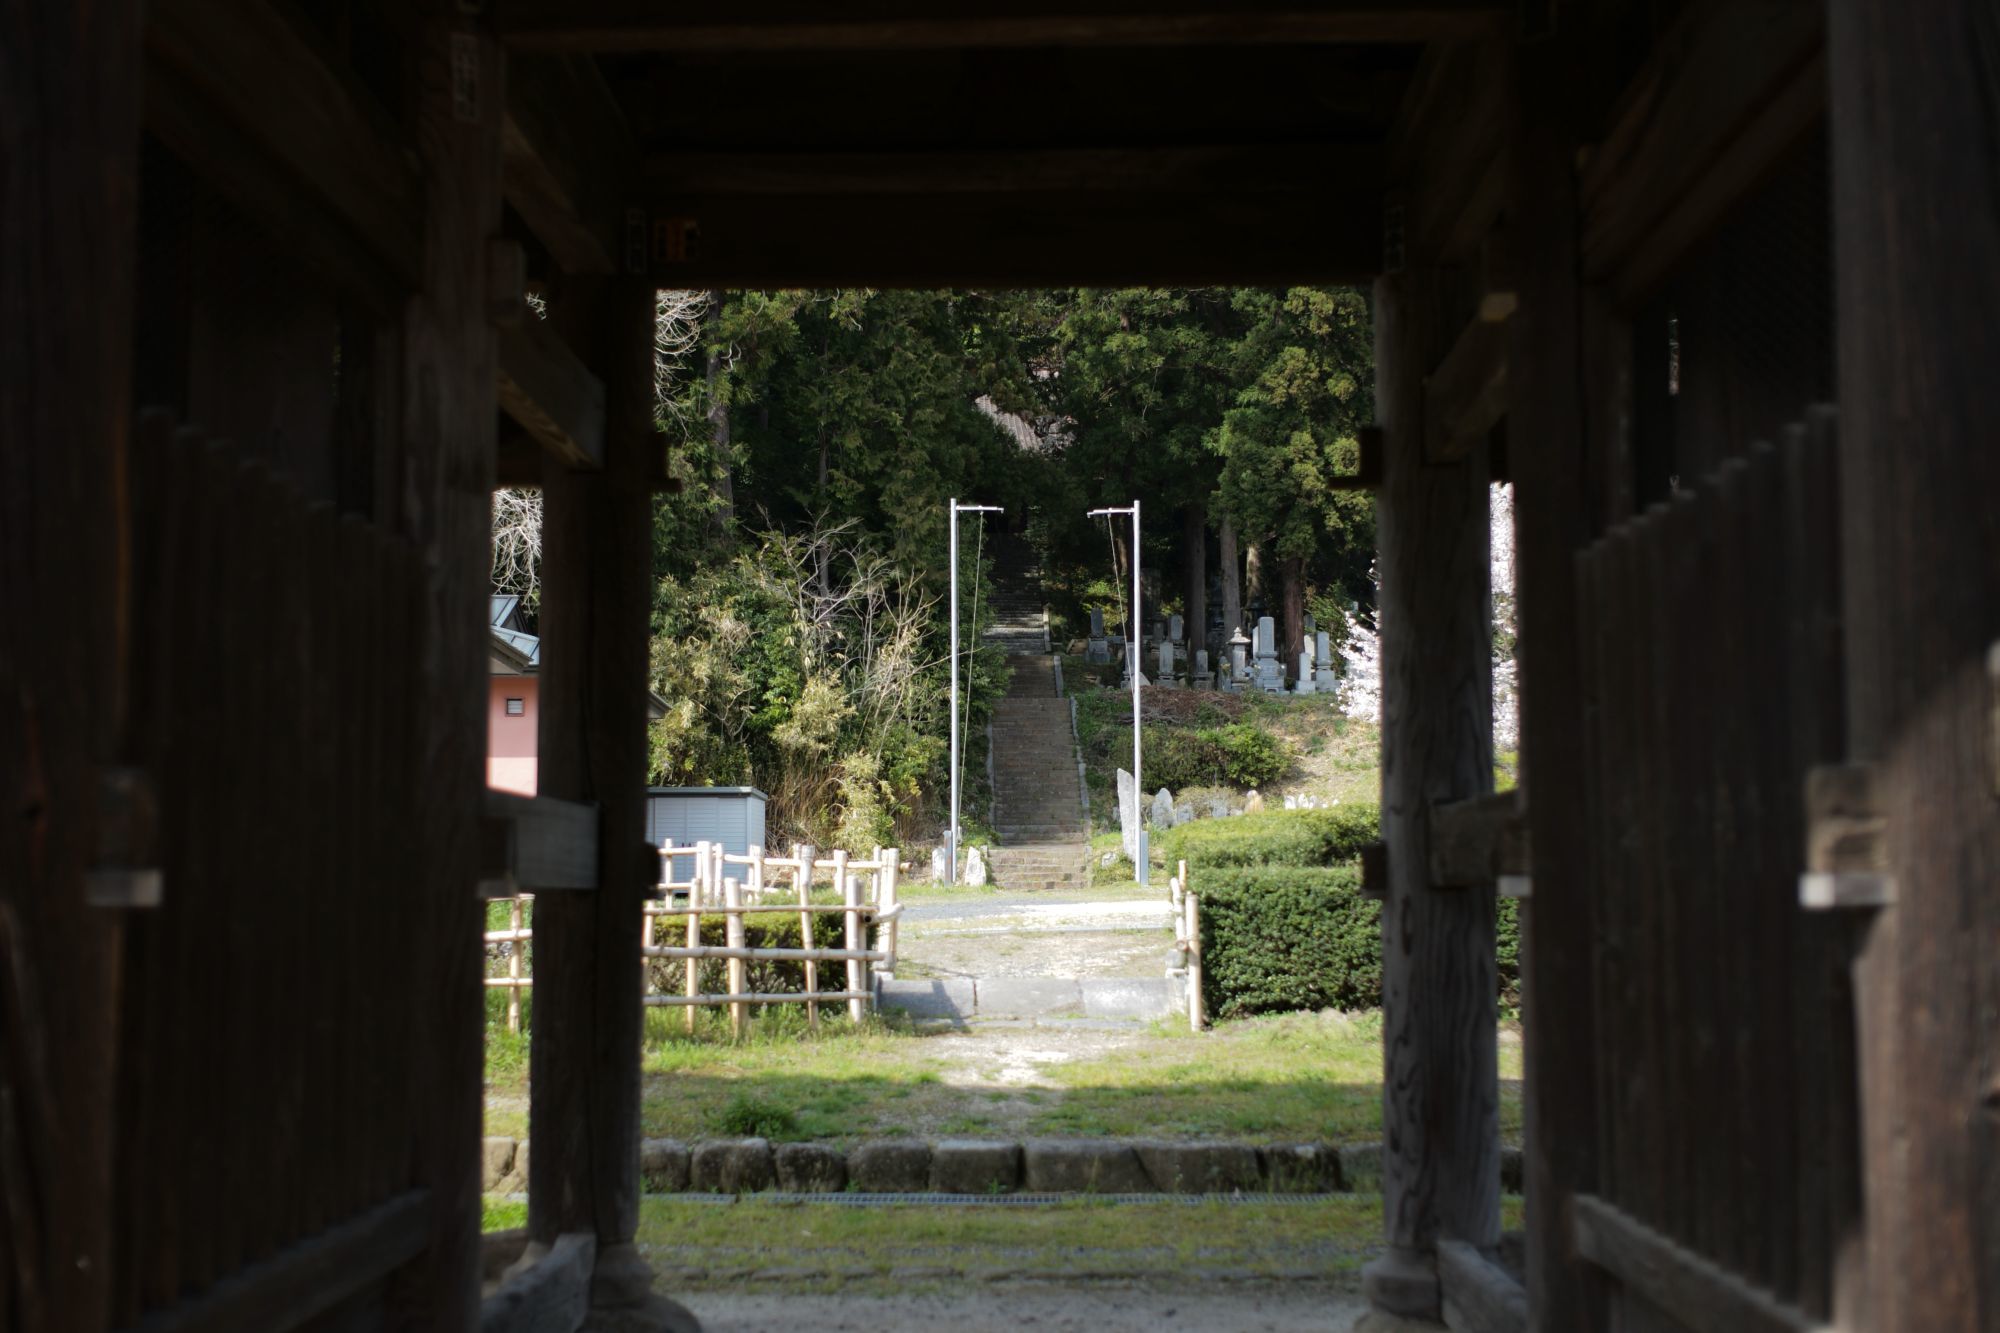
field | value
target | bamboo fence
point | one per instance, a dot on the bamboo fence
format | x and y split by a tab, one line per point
1187	942
703	880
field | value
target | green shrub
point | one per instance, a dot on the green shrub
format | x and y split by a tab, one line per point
777	930
1240	754
1290	937
1282	915
747	1117
1279	938
1276	837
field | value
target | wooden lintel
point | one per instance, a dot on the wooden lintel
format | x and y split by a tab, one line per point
1368	474
1238	169
1467	394
1321	234
1448	150
1479	1295
305	1279
1695	1291
566	152
1476	841
551	394
537	843
1727	90
895	25
553	1292
245	96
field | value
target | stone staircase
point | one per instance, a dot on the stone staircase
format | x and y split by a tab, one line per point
1037	808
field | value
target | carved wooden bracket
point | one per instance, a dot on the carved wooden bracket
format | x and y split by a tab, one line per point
1478	841
537	843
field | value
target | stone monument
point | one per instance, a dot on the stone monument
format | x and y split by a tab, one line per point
1098	651
975	869
1325	676
1163	809
1128	815
1266	674
1305	681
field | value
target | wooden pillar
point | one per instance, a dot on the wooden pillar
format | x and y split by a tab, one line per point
1441	1144
597	579
1549	458
69	149
448	430
1916	191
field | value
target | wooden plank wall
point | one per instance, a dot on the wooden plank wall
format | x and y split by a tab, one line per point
1711	667
280	682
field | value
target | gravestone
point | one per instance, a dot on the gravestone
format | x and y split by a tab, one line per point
1305	685
1253	804
1325	676
1166	676
940	865
1239	659
975	869
1098	651
1176	628
1201	678
1163	809
1266	674
1128	815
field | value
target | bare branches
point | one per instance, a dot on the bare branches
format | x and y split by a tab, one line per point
517	543
677	317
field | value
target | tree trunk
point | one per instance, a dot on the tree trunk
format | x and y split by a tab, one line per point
722	523
1194	551
1232	582
1253	577
1291	615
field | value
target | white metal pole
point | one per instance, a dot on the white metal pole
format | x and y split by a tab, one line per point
1132	654
951	834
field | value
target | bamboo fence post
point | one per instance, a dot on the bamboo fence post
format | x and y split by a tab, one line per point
850	889
1197	1019
754	890
514	947
732	898
886	904
696	891
803	878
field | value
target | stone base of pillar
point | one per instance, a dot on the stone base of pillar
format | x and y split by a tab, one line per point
1404	1285
622	1299
1377	1322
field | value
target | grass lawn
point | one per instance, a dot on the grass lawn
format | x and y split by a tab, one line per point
1284	1078
697	1246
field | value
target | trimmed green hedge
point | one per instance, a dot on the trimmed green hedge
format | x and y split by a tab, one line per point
1283	922
1276	837
1239	754
1288	937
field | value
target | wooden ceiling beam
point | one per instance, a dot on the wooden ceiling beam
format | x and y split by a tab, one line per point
803	25
551	394
1726	92
1447	152
1021	240
245	95
1239	168
566	149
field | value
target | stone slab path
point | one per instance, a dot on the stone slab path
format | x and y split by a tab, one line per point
1106	1307
1012	958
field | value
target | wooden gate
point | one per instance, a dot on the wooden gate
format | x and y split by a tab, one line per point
266	1161
1724	1029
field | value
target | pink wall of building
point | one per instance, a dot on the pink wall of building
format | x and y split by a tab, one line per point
511	738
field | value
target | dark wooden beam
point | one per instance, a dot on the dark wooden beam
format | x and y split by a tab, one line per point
567	150
1479	1295
1235	168
69	218
1447	151
306	1279
535	843
1727	91
245	95
551	395
1917	279
1440	1112
1045	239
551	1293
1696	1292
1465	397
790	25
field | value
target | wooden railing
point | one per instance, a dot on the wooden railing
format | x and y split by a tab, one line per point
696	882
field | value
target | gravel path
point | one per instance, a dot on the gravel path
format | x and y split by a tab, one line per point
1036	937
